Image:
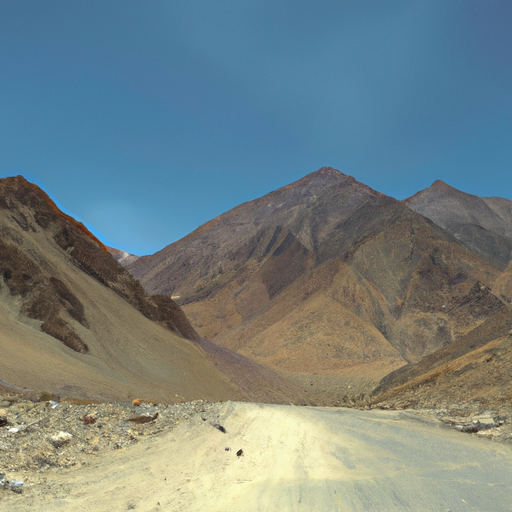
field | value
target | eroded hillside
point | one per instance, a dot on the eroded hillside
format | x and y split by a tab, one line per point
75	323
331	283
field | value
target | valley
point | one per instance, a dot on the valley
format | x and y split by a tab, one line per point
323	293
336	286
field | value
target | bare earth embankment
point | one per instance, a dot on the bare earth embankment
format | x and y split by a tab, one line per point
274	457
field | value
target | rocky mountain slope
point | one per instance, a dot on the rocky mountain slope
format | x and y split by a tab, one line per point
331	283
208	257
76	323
473	372
482	224
122	257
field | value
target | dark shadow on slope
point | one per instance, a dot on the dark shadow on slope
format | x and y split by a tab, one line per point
495	327
256	382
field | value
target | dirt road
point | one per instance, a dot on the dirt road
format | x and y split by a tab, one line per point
294	458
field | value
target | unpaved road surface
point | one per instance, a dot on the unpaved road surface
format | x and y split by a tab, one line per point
294	458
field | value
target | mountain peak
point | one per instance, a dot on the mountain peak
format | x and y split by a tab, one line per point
324	178
440	184
437	190
328	171
482	226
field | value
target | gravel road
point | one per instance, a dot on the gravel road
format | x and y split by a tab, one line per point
283	458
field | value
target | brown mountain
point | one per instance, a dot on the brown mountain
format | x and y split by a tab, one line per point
209	256
483	225
329	282
76	323
473	371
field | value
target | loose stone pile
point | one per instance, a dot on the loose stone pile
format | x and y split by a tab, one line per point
493	424
38	436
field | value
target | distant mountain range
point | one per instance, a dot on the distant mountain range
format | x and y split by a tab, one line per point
336	286
323	291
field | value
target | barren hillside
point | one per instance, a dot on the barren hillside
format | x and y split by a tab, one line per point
75	323
331	283
483	225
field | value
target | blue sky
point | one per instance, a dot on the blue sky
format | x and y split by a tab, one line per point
147	119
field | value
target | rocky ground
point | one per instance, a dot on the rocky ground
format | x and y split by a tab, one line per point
44	436
489	417
495	425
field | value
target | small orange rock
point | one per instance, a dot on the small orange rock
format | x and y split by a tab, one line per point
136	401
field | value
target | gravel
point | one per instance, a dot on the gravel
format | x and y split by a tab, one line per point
43	436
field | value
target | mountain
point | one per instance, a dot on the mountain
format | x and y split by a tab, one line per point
474	371
329	282
206	258
475	368
75	323
122	257
483	225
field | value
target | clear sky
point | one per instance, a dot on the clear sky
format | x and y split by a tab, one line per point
145	119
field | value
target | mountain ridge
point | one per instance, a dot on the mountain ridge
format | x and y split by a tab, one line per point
324	276
483	225
75	323
323	291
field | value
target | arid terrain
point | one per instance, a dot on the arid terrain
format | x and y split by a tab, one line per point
74	323
193	388
243	456
336	286
322	292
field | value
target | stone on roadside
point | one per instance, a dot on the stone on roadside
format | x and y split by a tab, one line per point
60	439
13	485
484	421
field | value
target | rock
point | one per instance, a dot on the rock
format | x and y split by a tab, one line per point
16	486
486	433
144	418
60	439
468	428
484	421
13	485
